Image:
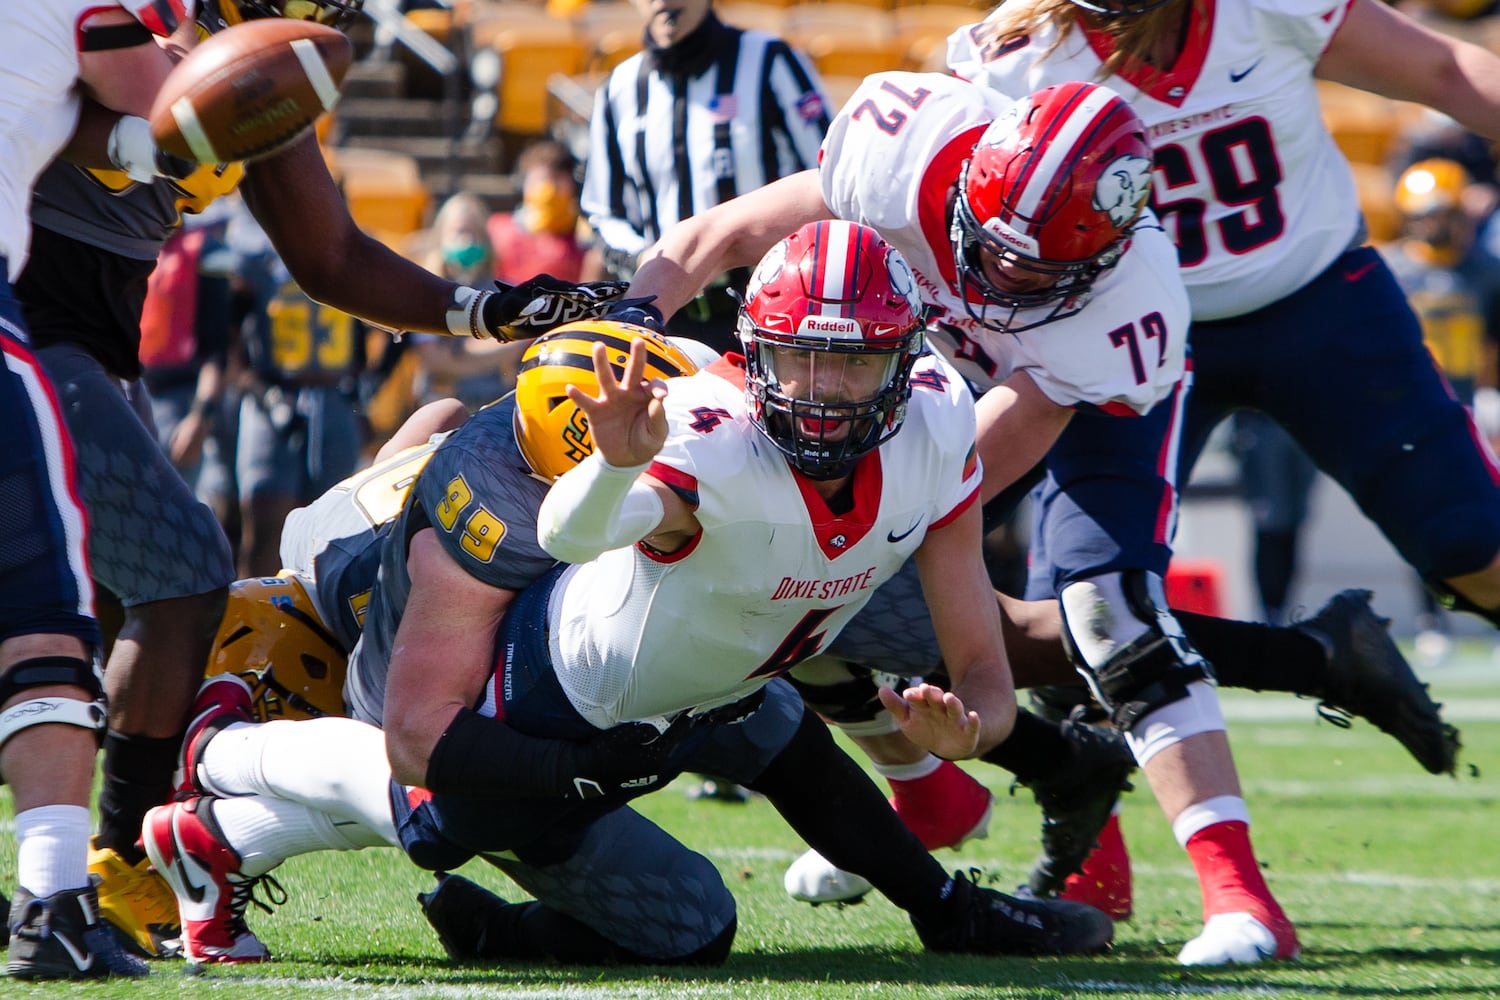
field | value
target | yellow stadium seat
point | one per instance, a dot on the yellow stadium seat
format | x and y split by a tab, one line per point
435	21
753	16
611	31
845	39
1377	200
384	190
530	54
924	32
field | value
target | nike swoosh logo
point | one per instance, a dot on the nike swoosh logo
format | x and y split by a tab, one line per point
81	958
893	537
1237	77
1360	272
194	891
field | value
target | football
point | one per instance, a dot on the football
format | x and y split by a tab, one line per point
250	90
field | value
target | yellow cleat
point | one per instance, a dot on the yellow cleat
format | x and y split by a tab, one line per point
138	903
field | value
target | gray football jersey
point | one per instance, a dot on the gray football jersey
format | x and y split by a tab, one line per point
479	495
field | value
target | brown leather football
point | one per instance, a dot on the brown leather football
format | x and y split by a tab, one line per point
250	90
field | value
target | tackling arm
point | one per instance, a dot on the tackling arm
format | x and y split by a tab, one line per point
736	233
1017	426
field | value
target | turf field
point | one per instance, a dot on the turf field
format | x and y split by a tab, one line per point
1392	876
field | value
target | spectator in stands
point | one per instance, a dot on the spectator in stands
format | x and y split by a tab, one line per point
185	336
298	431
1276	478
705	112
475	371
541	237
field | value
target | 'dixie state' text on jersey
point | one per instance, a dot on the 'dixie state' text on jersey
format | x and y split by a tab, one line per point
890	161
1236	130
773	575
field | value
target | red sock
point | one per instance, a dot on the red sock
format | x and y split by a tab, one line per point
1105	883
1231	881
944	808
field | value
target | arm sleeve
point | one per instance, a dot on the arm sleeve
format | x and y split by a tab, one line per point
595	507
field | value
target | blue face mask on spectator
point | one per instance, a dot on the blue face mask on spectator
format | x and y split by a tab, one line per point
464	256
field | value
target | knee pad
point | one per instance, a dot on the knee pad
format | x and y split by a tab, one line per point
846	694
48	671
1127	644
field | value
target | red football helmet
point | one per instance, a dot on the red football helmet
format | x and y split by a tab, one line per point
160	17
831	311
1046	202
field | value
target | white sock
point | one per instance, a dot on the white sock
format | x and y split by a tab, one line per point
1201	815
52	849
909	772
265	831
349	777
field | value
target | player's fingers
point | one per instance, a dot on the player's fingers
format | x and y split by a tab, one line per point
893	702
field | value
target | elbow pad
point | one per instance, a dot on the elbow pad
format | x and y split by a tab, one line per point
595	507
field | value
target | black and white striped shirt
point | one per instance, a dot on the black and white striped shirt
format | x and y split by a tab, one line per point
680	130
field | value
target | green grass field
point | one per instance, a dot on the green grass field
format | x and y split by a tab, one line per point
1391	875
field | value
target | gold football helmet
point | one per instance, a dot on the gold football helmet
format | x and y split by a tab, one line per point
552	432
272	636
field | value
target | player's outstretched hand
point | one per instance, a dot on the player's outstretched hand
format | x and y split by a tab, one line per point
934	719
627	420
543	303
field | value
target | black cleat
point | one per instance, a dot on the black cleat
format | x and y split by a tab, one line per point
64	937
992	923
1368	677
1077	798
459	911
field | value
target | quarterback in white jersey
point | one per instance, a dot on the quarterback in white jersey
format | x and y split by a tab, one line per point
772	574
791	454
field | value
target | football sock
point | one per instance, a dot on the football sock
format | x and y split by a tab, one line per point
351	782
52	848
1231	881
137	776
1257	657
1034	749
823	794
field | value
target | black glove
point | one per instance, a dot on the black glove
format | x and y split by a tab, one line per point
638	312
631	757
530	309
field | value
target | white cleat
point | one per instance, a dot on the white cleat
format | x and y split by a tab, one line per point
812	879
1229	938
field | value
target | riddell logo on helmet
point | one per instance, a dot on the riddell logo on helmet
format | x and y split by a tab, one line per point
833	326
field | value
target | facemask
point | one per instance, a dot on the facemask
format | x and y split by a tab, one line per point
549	210
463	256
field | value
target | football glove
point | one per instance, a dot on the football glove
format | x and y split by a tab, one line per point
631	758
640	312
530	309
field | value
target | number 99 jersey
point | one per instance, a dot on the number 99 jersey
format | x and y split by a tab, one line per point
1247	178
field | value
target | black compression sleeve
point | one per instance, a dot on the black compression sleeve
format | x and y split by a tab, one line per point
483	758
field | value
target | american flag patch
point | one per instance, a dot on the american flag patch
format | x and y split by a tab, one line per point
722	108
810	106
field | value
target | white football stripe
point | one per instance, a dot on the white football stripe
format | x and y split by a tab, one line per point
192	130
1054	157
317	72
835	267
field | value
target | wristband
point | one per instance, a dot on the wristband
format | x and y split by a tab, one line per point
132	149
463	315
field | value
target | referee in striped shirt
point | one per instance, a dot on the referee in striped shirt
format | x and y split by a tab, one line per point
705	112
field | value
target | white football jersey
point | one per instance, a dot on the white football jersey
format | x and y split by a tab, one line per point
773	575
1247	178
38	104
890	161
